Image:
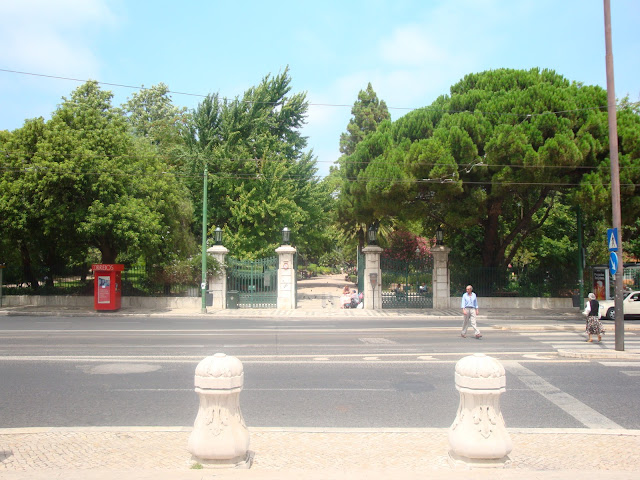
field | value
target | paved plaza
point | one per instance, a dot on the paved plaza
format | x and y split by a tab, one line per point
537	453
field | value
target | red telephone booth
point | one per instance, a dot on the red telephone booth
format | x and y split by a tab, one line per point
107	286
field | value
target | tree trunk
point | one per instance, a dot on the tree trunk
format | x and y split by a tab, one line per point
109	253
491	245
26	267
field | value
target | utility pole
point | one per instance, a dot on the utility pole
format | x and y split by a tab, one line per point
615	176
203	285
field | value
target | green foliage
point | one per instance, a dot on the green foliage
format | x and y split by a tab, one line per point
493	161
81	180
367	113
188	271
152	115
363	146
260	177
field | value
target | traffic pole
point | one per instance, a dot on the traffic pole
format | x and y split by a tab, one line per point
615	177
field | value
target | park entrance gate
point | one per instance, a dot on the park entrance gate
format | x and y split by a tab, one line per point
252	283
407	284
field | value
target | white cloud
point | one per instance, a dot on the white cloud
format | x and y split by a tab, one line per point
52	37
410	45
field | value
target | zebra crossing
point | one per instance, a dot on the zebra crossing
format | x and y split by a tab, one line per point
568	339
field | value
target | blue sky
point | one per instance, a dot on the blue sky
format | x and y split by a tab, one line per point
411	51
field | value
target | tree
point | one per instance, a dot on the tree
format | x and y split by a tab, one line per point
368	112
261	179
85	181
353	212
152	115
492	160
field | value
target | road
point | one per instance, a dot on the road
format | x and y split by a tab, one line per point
127	371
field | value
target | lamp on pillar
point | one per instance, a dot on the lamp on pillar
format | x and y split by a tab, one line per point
217	236
439	236
372	236
286	236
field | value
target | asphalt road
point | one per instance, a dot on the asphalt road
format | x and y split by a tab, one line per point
57	371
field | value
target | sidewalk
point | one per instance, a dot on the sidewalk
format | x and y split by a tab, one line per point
161	453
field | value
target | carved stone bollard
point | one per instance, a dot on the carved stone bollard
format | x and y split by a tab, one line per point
478	436
219	437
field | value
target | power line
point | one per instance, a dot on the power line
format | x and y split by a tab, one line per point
263	176
338	105
466	167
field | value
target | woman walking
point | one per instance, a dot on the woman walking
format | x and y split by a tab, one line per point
594	325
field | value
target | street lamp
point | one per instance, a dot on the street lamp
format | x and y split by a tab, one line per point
217	236
372	235
286	236
439	236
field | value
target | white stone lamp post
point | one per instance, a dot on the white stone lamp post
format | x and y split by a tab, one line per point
218	283
219	437
286	273
478	436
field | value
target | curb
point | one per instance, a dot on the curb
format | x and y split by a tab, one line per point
328	430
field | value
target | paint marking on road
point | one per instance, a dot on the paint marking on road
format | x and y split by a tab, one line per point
631	373
583	413
620	364
377	341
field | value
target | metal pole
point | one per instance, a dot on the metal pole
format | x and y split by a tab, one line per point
1	267
615	176
580	259
203	285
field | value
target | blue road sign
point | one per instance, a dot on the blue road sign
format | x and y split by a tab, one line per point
612	239
613	263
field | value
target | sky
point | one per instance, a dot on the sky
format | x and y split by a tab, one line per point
411	51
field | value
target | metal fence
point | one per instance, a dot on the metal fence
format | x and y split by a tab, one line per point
136	281
407	284
500	282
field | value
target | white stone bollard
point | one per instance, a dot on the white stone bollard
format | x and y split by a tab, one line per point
219	437
478	436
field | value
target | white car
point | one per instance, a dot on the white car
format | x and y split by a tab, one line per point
630	305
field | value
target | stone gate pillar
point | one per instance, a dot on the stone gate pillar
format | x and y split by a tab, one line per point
441	280
372	278
218	283
286	278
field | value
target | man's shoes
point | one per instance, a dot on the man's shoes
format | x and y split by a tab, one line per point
478	335
463	335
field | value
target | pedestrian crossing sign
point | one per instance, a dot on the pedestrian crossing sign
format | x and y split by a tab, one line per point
612	239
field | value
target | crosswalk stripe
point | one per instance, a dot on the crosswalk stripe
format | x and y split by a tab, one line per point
583	413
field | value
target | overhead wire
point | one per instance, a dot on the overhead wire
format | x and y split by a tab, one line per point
262	176
200	95
466	168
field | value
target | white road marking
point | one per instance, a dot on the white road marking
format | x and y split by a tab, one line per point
620	364
631	373
377	341
571	405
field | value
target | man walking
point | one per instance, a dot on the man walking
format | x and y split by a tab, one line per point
469	311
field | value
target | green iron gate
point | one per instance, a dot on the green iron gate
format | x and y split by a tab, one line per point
252	283
361	265
407	284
